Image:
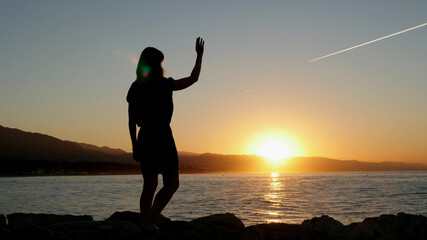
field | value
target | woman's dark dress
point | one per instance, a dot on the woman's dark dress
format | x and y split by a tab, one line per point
152	106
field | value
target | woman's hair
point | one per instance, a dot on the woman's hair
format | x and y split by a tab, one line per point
150	64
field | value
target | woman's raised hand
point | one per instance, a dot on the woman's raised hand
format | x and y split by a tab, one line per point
200	44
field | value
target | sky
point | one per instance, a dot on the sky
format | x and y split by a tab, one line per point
66	67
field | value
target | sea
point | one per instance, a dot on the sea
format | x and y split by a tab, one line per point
253	197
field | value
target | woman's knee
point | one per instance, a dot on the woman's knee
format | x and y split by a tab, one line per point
150	186
173	186
150	182
171	182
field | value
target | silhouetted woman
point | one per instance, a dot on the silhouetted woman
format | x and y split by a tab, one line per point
151	107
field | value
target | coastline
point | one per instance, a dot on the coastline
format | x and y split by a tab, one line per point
185	172
124	225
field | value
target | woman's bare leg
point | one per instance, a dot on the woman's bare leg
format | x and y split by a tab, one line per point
148	190
170	185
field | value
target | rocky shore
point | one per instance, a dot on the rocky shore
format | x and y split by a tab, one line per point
124	225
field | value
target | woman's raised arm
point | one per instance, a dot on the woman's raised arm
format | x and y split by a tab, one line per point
184	83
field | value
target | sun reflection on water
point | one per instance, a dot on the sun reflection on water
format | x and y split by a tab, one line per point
274	198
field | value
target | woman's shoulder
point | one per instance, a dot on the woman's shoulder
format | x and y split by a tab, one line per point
168	82
167	79
132	92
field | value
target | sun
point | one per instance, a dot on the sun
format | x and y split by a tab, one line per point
274	150
275	147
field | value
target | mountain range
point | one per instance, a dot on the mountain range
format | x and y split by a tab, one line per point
27	153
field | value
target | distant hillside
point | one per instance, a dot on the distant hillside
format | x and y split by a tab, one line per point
209	162
252	163
26	153
105	149
19	145
319	164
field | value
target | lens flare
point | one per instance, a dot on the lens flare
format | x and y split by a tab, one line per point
145	71
133	58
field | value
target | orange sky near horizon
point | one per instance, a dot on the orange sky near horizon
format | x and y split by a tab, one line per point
65	70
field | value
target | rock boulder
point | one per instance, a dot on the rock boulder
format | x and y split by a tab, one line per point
20	221
3	221
125	225
400	226
276	231
227	220
135	218
4	230
324	227
129	216
105	230
217	226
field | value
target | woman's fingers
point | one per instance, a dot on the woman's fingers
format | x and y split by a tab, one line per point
199	45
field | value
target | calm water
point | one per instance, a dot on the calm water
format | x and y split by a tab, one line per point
254	198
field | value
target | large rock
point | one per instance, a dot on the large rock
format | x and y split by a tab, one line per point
4	230
105	230
402	226
348	229
125	225
5	233
324	227
227	220
2	221
276	231
178	230
218	226
129	216
21	221
135	218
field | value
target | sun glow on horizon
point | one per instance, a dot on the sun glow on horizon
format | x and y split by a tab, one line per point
274	150
275	147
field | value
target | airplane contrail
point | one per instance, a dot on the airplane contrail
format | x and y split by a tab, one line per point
366	43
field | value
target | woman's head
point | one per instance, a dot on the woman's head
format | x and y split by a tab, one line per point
150	64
